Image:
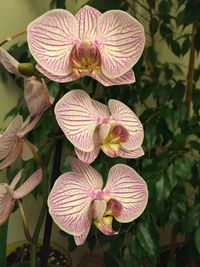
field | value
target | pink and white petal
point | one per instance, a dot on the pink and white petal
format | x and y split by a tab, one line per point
92	178
9	63
103	131
14	153
28	125
26	152
126	78
6	206
101	108
87	157
127	118
126	186
8	138
57	78
36	96
28	185
87	18
51	38
121	42
79	240
132	154
78	119
69	202
15	180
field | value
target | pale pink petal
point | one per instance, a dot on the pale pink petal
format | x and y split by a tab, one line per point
69	202
87	157
132	154
79	240
101	108
28	125
120	41
26	152
9	63
36	96
87	18
126	117
126	78
6	204
126	186
51	38
78	119
14	153
103	131
15	180
8	138
28	185
57	78
91	176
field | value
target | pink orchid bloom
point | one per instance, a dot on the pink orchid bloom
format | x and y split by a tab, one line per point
90	126
12	143
35	91
77	199
103	46
8	194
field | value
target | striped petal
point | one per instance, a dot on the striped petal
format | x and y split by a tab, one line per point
126	78
127	118
126	186
28	185
121	42
87	157
51	38
6	204
14	153
87	18
26	152
91	176
28	125
79	240
136	153
69	202
9	63
36	96
101	108
7	139
78	119
15	180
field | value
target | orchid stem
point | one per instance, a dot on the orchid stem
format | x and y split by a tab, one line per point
25	225
12	37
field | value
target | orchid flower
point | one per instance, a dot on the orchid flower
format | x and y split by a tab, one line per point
8	194
90	126
35	91
12	141
77	199
103	46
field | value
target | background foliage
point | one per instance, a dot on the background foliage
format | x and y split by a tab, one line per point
166	97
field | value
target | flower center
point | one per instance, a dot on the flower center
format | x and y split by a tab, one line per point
111	144
103	213
85	59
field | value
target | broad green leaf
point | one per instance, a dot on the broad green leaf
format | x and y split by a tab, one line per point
110	260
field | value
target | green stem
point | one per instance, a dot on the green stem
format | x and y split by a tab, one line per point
24	221
3	243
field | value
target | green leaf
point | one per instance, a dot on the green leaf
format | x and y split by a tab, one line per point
110	260
58	4
197	40
171	118
185	46
195	145
197	239
176	49
152	55
150	135
164	7
178	92
153	25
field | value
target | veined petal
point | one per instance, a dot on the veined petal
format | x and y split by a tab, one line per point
121	42
78	119
36	96
87	157
28	125
79	240
126	78
26	152
87	18
51	38
28	185
127	118
126	186
14	153
7	139
57	78
15	180
6	205
101	108
69	202
92	178
132	154
9	63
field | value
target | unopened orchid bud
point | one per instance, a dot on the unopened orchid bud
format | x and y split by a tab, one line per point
26	69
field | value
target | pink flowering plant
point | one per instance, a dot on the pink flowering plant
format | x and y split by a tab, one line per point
73	130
